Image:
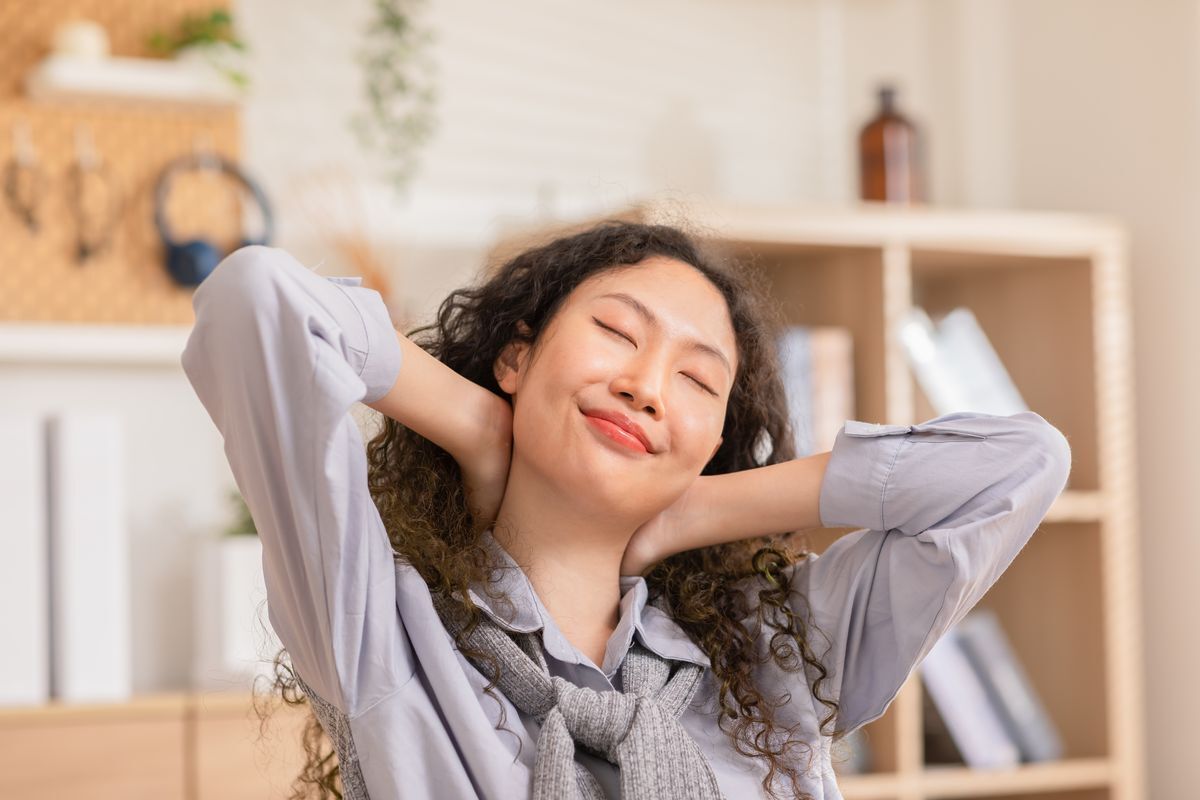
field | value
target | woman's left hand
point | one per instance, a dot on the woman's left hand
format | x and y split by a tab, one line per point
667	532
717	509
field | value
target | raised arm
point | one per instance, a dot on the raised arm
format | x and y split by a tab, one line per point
278	356
942	508
466	420
945	506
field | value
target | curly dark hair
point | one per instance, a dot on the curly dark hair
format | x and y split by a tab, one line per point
419	491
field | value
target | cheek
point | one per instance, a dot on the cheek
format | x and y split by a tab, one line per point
589	363
697	435
544	407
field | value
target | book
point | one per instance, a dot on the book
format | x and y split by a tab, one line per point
962	702
90	608
956	365
939	745
1008	687
817	368
24	592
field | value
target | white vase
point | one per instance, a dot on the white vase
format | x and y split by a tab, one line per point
235	643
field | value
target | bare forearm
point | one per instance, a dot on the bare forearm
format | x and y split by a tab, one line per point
449	410
755	502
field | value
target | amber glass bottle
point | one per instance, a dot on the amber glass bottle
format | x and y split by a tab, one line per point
889	155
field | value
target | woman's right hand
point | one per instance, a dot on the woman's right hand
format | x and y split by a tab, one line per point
485	467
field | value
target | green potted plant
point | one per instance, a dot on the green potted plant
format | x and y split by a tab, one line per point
207	39
234	638
243	524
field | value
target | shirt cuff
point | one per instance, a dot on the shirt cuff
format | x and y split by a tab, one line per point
856	474
378	349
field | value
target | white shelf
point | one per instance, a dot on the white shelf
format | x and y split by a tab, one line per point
60	77
46	343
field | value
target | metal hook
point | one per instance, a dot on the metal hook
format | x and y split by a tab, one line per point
23	177
94	233
203	151
85	150
23	143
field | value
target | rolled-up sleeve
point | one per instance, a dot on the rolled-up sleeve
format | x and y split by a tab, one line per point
278	356
944	507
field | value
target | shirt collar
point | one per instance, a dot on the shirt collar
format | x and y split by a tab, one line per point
654	628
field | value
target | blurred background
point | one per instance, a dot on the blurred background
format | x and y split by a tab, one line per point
963	204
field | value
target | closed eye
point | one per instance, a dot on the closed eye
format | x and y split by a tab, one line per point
693	378
614	330
701	384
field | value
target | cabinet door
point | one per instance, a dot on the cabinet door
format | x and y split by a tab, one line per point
93	760
235	760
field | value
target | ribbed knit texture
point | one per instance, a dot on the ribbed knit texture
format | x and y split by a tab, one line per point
337	727
638	729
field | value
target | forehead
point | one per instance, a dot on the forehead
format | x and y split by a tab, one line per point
686	302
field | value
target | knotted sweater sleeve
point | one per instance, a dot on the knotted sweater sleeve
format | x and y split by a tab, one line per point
278	356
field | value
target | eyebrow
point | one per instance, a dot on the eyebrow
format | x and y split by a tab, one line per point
692	344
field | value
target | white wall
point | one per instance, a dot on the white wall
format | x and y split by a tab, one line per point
553	108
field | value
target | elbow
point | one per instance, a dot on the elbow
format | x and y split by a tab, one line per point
1046	453
1060	451
232	306
235	286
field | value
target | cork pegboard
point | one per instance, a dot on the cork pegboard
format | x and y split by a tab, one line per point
41	278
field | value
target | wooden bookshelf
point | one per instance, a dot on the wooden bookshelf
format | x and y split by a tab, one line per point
1051	292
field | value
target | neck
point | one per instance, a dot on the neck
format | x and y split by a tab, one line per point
570	552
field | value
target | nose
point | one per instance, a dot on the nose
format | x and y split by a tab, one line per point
641	382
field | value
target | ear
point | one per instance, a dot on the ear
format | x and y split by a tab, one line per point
508	365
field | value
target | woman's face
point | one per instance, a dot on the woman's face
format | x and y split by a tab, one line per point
651	343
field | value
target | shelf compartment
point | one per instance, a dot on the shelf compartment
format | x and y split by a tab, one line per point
1078	506
883	786
1037	315
1050	779
1046	602
843	288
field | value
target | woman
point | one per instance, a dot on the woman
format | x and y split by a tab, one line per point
582	497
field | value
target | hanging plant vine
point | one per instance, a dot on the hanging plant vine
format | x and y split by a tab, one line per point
398	87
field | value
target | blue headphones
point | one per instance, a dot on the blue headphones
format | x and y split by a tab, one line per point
190	262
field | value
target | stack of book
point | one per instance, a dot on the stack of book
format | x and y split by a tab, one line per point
65	574
981	708
817	366
956	365
951	358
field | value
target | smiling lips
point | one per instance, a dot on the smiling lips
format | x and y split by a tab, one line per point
620	429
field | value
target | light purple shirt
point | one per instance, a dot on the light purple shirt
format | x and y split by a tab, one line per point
279	355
